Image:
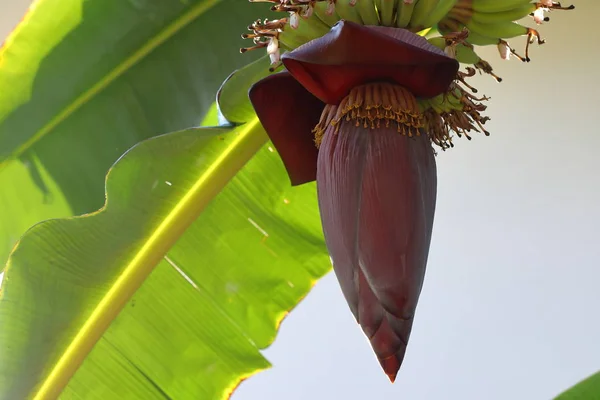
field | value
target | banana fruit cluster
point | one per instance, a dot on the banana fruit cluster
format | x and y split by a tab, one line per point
455	26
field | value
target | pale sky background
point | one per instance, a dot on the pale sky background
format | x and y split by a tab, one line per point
509	309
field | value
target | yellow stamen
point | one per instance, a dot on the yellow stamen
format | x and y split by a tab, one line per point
373	106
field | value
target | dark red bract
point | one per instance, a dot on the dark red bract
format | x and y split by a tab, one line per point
355	89
351	55
289	112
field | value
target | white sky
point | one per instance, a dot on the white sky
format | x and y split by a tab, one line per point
509	306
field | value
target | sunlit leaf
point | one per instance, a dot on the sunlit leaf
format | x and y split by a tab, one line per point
176	291
83	81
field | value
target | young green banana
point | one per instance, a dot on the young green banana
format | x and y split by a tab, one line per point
387	12
347	11
440	12
511	15
404	13
481	40
501	30
420	12
306	31
320	10
367	12
495	6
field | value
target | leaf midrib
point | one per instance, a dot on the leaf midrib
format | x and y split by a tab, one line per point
164	35
250	138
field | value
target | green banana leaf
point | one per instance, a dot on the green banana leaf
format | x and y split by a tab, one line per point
588	389
165	292
83	81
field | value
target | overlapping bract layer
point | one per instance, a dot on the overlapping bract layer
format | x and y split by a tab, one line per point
377	193
375	168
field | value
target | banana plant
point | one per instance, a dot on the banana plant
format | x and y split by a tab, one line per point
209	235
